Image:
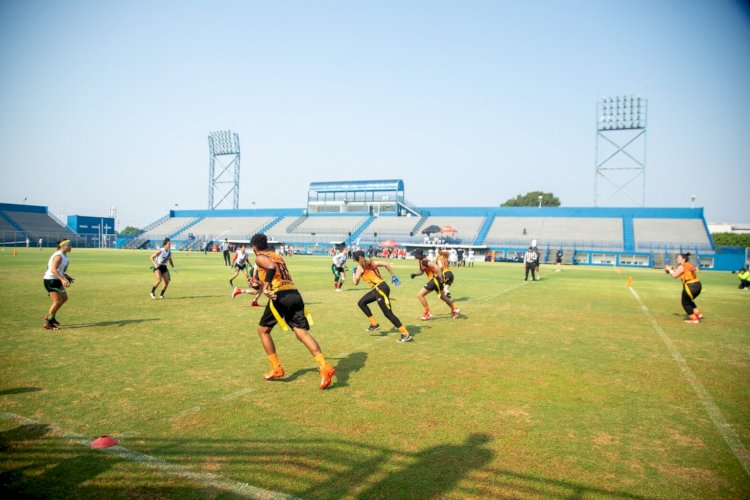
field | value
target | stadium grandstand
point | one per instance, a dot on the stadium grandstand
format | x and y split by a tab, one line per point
367	213
19	222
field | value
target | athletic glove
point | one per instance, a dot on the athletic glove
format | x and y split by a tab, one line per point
395	280
69	278
354	270
413	275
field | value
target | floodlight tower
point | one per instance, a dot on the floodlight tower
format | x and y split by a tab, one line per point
223	144
621	149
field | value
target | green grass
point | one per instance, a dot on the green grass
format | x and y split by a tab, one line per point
558	388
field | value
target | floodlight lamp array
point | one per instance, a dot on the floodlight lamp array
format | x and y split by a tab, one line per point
224	142
621	113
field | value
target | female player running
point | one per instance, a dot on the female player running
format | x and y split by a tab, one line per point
159	261
368	271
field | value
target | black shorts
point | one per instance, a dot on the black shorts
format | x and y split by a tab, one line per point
291	308
558	260
448	277
54	285
241	267
434	285
162	269
336	270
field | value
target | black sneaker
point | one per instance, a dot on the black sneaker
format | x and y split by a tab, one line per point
373	328
405	338
54	322
49	325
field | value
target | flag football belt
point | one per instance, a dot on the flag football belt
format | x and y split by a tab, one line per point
687	288
280	320
385	296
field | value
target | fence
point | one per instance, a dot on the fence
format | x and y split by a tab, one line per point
50	239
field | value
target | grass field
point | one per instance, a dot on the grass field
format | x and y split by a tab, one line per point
566	387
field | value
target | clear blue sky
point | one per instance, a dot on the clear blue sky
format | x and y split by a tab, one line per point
109	103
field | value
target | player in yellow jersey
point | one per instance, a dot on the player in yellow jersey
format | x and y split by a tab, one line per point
691	286
367	271
434	284
444	265
285	306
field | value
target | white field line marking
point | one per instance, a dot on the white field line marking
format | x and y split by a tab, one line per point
204	478
502	292
721	424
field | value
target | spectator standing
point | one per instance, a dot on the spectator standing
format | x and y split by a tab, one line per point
225	252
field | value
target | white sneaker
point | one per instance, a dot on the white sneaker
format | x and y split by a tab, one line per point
152	295
161	297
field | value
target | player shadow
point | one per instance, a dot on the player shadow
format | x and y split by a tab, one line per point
438	469
47	465
19	390
297	374
118	322
53	472
351	363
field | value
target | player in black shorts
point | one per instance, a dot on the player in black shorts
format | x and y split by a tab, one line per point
286	308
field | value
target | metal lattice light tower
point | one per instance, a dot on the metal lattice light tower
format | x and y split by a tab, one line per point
621	149
223	146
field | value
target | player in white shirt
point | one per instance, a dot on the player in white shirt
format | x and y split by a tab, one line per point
240	263
337	268
159	261
56	281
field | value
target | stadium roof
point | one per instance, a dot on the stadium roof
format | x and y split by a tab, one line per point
348	186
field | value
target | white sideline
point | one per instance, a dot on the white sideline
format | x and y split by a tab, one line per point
721	424
204	478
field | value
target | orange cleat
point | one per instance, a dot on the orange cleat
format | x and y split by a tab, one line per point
274	374
454	312
255	304
326	374
236	292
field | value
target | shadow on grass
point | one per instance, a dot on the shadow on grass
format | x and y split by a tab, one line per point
116	322
347	365
19	390
39	463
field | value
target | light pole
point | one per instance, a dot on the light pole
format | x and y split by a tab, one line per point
620	149
540	201
692	201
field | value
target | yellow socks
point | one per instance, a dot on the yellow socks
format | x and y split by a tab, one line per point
403	330
373	321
